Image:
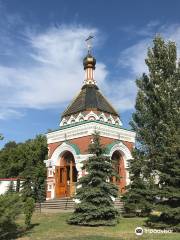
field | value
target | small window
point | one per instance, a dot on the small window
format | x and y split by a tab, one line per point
81	119
117	123
49	186
101	119
109	121
64	123
50	173
92	118
72	121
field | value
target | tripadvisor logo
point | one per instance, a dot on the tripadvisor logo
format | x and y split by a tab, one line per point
139	231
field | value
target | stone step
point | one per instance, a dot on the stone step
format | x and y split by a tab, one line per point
69	204
63	203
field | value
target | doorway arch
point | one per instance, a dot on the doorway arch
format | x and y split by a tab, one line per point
119	167
65	175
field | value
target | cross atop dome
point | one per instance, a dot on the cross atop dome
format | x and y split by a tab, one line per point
89	43
89	63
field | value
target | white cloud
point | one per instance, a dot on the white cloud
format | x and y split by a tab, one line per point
49	73
9	113
55	74
122	93
133	59
134	56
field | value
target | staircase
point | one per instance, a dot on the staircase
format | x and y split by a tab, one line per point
56	205
119	205
65	204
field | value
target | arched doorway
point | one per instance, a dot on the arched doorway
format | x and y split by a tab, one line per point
65	176
118	164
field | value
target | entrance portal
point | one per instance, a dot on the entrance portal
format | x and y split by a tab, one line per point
66	176
118	163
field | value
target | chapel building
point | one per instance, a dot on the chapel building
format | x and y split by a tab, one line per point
88	112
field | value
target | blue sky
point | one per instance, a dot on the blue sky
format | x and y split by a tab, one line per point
42	47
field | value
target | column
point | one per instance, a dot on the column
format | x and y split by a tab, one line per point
71	178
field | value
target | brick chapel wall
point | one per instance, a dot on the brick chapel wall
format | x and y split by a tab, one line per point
83	143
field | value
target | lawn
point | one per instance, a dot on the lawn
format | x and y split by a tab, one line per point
54	227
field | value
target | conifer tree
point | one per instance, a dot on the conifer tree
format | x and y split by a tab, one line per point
96	191
156	122
137	198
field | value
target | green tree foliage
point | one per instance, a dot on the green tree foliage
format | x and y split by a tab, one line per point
25	160
29	206
138	197
96	191
156	122
10	208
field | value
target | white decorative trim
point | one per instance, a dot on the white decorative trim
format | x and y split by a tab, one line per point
119	121
50	170
91	114
59	151
112	119
103	116
64	120
87	129
72	118
88	117
126	154
80	116
124	151
52	189
90	81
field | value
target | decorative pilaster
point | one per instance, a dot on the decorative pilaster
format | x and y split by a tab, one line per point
71	178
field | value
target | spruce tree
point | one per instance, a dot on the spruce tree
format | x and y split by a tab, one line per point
137	198
95	193
156	122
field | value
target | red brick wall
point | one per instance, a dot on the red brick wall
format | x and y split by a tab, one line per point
129	145
52	147
83	142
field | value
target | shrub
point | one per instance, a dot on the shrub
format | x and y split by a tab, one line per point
10	208
28	210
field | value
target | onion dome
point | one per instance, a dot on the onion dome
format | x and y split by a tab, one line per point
89	62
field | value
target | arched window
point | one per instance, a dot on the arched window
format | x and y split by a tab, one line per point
81	119
73	121
117	123
109	121
64	123
101	119
91	118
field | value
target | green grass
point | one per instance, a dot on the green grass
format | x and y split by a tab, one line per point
54	227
